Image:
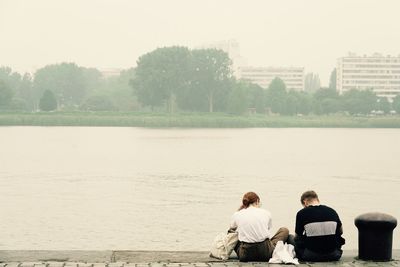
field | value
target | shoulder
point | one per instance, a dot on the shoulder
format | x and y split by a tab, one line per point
301	212
267	212
264	212
332	213
237	213
328	209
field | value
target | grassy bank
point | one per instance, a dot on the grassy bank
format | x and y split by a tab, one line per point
201	120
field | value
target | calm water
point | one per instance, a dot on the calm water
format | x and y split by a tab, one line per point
175	189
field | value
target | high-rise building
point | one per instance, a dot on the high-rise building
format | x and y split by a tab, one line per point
293	77
377	73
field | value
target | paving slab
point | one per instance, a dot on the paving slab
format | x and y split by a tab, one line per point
55	263
55	255
13	264
116	264
29	264
162	256
42	258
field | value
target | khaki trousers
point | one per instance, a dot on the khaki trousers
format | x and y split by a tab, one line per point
261	251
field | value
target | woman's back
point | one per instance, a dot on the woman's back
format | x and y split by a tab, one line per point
253	224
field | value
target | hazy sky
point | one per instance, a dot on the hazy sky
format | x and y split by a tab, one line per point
113	33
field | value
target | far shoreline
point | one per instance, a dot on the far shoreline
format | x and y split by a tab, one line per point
195	120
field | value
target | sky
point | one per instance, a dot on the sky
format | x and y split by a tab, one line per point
114	33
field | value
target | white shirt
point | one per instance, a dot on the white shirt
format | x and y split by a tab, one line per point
253	224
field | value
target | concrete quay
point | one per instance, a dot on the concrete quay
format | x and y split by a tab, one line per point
77	258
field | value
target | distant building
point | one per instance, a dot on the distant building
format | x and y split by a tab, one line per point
110	72
293	77
378	73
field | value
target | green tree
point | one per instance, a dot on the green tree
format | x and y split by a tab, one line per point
25	94
211	74
324	93
332	80
192	98
276	96
10	78
359	102
383	105
237	102
326	101
292	104
117	89
161	75
97	103
330	106
48	101
196	80
18	87
312	82
93	80
18	104
304	103
256	97
120	91
396	104
297	103
6	94
65	80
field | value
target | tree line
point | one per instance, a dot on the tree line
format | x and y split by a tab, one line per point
171	79
66	87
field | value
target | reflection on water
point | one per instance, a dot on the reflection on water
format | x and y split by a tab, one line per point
175	189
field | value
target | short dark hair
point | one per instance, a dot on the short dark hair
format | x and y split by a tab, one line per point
308	195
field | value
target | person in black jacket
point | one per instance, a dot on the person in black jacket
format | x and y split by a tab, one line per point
318	231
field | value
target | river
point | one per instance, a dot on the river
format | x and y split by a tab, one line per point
176	189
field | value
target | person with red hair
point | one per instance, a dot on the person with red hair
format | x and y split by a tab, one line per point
253	224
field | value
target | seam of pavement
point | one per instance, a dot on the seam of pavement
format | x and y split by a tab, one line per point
126	258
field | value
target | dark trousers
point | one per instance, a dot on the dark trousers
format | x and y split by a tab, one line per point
261	251
309	255
304	254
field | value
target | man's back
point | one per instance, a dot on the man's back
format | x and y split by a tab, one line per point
319	229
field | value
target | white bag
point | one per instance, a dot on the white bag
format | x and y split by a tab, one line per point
223	245
284	253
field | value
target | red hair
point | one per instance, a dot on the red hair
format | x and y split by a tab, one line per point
248	199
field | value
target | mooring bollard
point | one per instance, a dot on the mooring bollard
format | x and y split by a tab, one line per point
375	236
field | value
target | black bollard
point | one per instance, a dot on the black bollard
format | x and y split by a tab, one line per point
375	236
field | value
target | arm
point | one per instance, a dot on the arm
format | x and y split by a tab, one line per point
233	224
270	221
299	228
340	239
340	230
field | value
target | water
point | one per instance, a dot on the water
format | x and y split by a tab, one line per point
175	189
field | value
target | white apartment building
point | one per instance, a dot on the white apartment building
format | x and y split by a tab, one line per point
293	77
378	73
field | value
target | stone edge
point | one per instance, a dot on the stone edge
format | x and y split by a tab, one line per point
109	256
